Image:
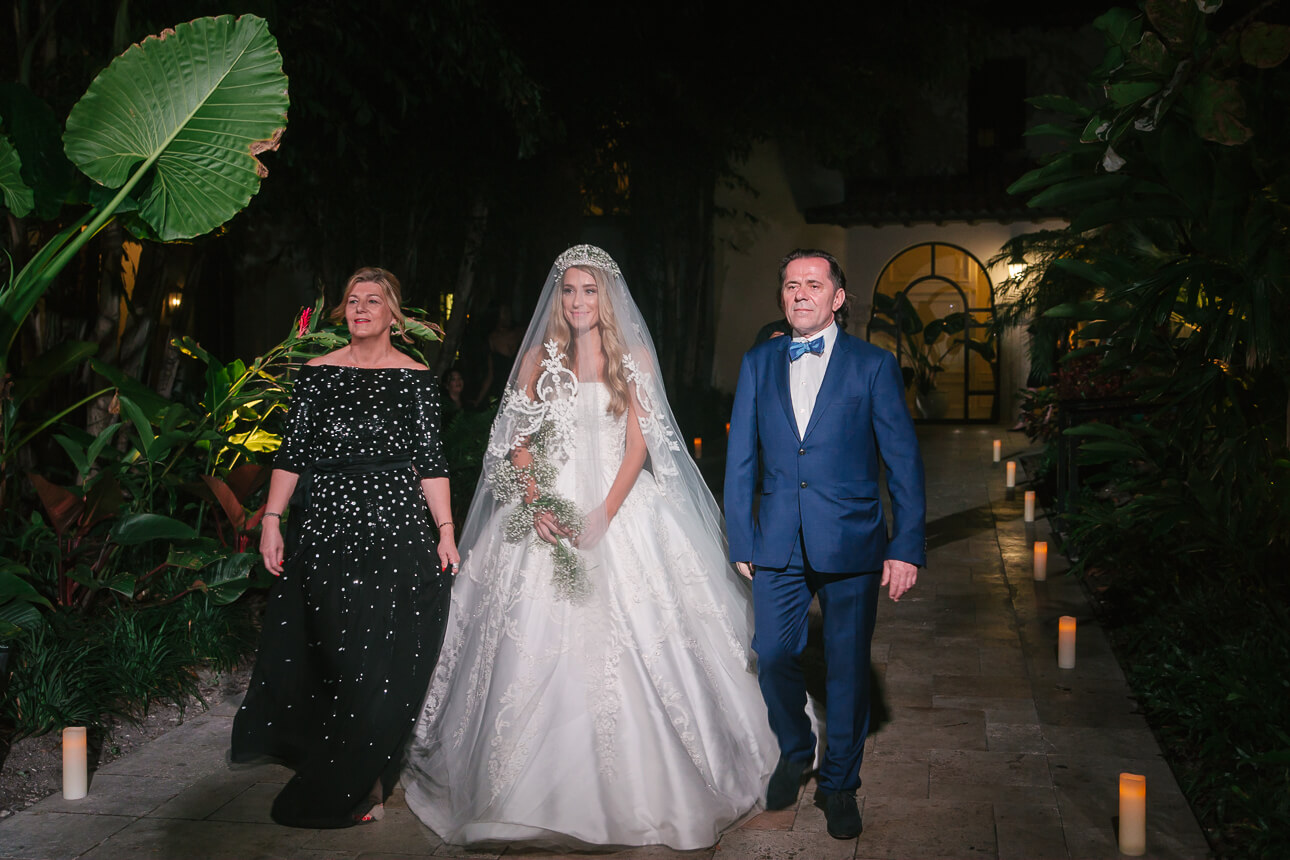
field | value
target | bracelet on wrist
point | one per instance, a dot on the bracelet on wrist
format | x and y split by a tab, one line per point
273	514
445	523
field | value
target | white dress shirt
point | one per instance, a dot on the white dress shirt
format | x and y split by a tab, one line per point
806	375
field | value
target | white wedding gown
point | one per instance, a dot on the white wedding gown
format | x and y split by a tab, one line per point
630	716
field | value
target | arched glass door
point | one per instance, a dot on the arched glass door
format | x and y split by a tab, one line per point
928	302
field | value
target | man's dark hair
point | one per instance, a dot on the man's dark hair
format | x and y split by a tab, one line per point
836	274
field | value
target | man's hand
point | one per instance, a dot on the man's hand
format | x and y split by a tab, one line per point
899	576
745	569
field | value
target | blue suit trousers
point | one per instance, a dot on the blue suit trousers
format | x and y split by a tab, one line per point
849	604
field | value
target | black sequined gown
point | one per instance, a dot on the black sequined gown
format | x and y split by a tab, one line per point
354	624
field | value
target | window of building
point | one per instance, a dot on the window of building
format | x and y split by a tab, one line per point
944	282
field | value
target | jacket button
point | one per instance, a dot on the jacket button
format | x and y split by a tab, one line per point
801	450
803	485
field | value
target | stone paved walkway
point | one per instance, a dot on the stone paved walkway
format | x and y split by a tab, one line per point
983	747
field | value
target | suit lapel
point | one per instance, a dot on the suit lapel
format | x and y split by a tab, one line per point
832	383
779	371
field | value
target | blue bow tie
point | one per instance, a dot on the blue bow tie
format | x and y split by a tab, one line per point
798	348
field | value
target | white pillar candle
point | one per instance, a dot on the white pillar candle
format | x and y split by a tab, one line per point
1066	642
1133	814
1010	478
698	447
1030	506
75	774
998	450
1040	561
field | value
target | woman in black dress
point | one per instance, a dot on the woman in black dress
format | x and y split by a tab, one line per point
356	619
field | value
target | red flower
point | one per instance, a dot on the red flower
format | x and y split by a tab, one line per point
304	322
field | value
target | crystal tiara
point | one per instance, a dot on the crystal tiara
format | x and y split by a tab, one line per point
587	255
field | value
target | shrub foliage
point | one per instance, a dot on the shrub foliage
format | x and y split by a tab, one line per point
1172	278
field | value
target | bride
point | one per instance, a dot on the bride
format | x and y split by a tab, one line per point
594	686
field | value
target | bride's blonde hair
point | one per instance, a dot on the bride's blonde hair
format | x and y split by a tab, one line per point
612	345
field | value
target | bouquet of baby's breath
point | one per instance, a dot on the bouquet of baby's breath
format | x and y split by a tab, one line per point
511	484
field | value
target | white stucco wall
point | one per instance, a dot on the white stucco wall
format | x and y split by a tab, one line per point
766	225
870	249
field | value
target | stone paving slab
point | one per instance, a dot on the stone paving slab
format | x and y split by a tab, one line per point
33	834
982	747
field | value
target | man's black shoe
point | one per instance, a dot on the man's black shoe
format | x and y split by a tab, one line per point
841	815
785	783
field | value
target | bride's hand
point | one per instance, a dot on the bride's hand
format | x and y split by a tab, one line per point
593	529
548	527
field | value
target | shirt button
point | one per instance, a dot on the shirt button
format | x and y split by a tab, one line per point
801	450
803	485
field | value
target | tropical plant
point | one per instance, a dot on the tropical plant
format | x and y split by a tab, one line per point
1174	276
169	134
56	681
923	348
18	602
89	670
110	532
1173	265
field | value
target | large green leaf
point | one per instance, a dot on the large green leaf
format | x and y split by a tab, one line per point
38	372
1176	20
228	578
17	197
1085	189
14	587
21	296
36	133
153	403
1265	45
1219	109
199	103
1124	93
1060	169
1151	54
1060	104
1122	27
140	528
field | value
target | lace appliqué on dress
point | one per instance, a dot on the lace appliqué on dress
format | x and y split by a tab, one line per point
555	390
656	432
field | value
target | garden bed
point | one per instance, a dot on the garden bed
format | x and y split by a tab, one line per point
31	769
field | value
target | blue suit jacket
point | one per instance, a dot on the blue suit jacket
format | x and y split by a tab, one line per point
825	483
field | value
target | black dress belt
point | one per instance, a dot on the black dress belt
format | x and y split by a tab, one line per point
360	465
301	496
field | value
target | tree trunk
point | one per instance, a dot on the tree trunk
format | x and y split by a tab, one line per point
108	325
461	301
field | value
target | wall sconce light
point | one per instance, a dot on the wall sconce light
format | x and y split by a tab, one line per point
170	305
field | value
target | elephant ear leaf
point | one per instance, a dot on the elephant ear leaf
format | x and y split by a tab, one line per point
16	196
195	106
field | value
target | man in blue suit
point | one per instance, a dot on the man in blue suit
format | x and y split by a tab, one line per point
818	410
